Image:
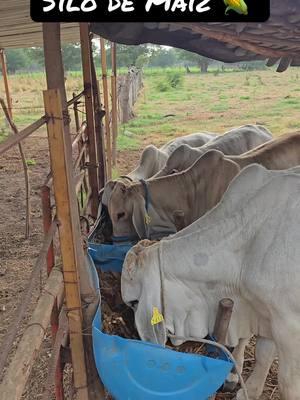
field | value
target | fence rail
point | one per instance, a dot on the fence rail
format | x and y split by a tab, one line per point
23	134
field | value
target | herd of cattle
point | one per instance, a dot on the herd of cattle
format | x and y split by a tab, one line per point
221	215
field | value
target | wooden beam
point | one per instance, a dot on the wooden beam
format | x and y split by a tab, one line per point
6	84
13	140
87	80
55	74
114	102
69	232
106	105
28	349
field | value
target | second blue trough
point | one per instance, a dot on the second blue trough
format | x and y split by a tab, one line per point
137	370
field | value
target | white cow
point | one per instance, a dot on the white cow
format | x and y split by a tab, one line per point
234	142
153	158
246	248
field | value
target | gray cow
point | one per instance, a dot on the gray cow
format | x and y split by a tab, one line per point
149	209
234	142
153	158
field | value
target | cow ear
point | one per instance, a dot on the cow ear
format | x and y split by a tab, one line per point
139	216
224	172
107	191
149	320
130	264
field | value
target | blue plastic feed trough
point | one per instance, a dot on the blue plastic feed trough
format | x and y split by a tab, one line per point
136	370
109	257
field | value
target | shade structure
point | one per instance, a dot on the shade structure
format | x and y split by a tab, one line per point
277	40
18	30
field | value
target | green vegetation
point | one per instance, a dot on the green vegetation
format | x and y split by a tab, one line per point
171	80
192	102
31	162
214	103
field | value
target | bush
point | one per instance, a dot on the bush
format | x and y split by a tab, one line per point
172	80
175	79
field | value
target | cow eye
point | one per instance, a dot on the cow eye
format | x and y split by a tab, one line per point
120	215
133	304
174	171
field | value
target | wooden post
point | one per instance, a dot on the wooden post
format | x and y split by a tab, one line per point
5	78
99	114
80	142
76	116
73	257
60	148
223	320
69	231
87	79
114	102
106	105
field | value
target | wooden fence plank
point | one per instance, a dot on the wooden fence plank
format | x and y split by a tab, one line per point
28	349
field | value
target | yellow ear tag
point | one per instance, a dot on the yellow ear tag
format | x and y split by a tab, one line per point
157	317
147	219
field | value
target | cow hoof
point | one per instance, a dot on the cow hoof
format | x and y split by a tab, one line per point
229	387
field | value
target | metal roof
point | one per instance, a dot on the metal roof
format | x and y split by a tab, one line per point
277	40
18	30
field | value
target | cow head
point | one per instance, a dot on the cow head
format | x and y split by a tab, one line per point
127	210
151	161
185	312
182	158
141	290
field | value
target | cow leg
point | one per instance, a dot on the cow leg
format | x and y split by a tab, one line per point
265	352
289	360
238	354
289	375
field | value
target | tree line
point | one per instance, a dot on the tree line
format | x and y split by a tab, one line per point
32	59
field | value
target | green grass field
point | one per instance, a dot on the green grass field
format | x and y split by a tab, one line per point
216	101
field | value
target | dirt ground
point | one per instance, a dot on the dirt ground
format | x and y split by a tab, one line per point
17	255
